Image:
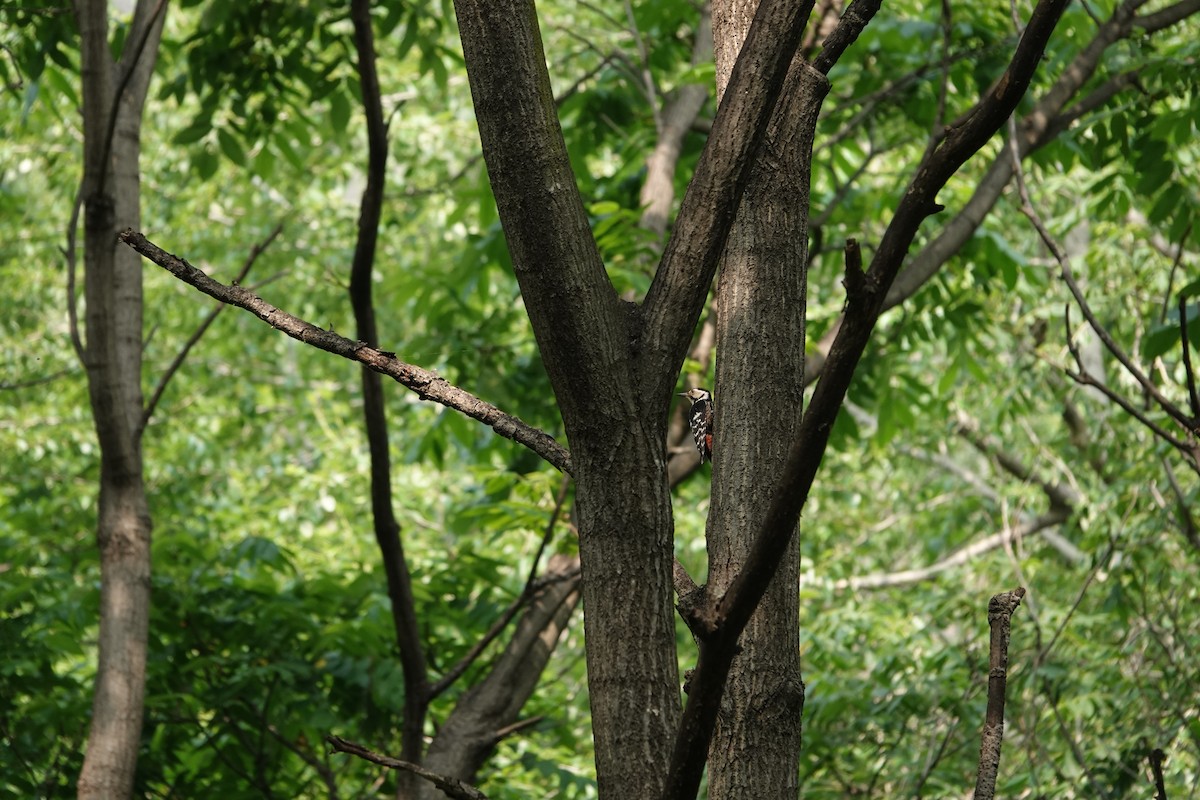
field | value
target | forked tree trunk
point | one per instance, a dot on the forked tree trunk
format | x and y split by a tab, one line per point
613	365
113	292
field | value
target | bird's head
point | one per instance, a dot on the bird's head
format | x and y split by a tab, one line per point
696	395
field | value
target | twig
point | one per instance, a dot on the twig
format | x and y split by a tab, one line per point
19	84
908	577
532	586
517	727
25	384
853	22
1186	523
939	117
1058	494
1157	756
427	385
306	755
177	362
1084	378
1000	611
648	85
1067	274
816	22
547	534
1193	397
453	787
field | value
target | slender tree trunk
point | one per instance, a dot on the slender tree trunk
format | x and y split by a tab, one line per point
113	322
759	393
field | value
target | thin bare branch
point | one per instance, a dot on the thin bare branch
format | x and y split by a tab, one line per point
1084	378
939	118
532	586
1157	756
453	787
1188	525
1190	373
995	541
854	21
384	524
517	727
308	757
202	328
648	84
427	385
1059	494
1068	276
28	382
1165	18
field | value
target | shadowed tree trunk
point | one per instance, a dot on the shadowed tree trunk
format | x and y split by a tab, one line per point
113	97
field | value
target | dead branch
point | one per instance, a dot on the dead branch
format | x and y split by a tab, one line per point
1000	611
453	787
427	385
203	327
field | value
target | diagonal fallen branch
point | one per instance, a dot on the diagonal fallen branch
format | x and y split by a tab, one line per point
427	385
452	787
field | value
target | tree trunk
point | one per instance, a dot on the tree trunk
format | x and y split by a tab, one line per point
586	337
113	358
759	392
613	365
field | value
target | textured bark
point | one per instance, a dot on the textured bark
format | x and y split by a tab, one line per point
680	287
613	368
719	620
760	313
623	506
113	357
1000	611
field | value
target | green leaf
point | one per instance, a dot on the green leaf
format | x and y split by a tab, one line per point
205	162
194	132
339	111
231	147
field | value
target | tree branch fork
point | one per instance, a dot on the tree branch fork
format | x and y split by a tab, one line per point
718	621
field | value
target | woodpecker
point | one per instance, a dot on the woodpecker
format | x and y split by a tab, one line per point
700	417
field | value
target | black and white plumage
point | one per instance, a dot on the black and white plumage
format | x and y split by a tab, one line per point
700	418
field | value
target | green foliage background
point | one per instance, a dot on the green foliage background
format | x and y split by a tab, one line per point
270	624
